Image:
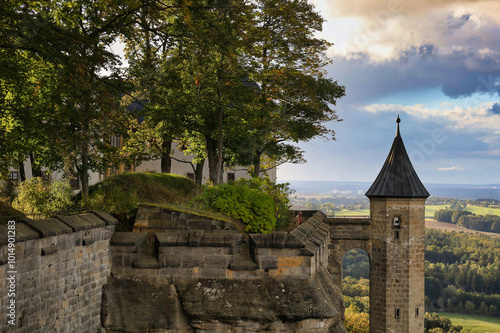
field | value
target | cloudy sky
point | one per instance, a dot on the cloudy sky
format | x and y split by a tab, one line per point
437	63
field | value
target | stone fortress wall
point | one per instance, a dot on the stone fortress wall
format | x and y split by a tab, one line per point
180	272
186	273
61	265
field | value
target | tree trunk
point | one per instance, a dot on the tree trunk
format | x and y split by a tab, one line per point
166	161
84	175
35	170
22	172
213	174
220	162
256	165
198	172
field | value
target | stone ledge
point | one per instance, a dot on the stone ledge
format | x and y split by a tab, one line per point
47	227
106	217
75	222
178	238
128	238
278	239
24	232
93	220
347	221
47	250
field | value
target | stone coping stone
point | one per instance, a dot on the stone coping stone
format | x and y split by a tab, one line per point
92	219
198	238
128	238
47	227
210	239
348	221
177	238
277	239
105	216
75	222
24	232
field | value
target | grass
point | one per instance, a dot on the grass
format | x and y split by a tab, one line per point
430	209
478	324
121	194
7	210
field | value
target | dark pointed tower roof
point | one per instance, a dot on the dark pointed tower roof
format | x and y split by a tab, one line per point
397	178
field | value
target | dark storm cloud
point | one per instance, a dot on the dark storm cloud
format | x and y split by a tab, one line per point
495	109
458	74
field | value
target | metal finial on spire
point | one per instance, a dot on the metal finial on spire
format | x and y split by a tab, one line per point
398	120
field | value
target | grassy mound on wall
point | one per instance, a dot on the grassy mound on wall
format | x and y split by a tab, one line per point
121	194
8	210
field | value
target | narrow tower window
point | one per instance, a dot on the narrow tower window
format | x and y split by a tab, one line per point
397	221
396	313
396	234
416	312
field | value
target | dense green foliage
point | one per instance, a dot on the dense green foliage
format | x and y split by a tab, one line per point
241	81
252	206
466	219
434	323
462	272
356	264
458	204
122	193
36	196
278	192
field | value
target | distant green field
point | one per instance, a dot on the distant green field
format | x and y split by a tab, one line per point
478	324
430	209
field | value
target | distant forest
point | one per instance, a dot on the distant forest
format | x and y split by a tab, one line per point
462	274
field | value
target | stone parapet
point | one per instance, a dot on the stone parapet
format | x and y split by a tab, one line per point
60	267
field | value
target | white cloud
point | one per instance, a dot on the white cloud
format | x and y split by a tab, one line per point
453	168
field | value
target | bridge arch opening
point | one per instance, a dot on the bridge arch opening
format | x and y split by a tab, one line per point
356	290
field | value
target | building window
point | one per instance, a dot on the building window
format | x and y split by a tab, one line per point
114	141
230	176
396	313
190	175
396	234
416	312
14	176
397	222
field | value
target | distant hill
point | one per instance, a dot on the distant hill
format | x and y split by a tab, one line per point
458	191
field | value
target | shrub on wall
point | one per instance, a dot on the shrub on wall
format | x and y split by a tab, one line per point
278	192
37	196
252	206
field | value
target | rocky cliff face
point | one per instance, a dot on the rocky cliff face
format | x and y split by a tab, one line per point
271	304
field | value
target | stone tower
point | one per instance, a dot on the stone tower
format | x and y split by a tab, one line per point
397	199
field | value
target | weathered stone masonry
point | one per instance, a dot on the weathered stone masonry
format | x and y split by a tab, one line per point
62	264
201	275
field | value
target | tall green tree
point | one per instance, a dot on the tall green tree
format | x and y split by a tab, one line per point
295	96
247	76
78	84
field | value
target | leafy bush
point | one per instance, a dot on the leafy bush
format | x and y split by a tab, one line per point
253	207
36	196
280	195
